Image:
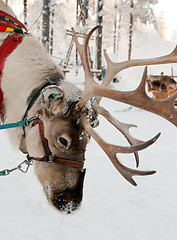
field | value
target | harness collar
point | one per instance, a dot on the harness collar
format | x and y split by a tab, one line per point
12	26
9	23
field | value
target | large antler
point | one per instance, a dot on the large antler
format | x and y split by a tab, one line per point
138	98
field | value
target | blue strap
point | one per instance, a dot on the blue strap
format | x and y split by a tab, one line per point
23	123
4	172
12	125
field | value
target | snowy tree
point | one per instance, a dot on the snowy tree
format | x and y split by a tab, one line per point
115	27
162	28
130	29
52	26
144	12
132	11
100	14
25	12
46	24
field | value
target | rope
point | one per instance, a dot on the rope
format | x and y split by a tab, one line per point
23	123
12	125
4	173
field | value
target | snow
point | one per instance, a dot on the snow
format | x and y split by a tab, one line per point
111	208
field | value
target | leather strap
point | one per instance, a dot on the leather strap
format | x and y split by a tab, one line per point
49	157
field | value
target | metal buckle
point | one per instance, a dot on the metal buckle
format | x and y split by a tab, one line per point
27	162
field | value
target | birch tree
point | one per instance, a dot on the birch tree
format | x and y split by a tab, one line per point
52	26
46	23
133	10
115	27
25	12
130	34
99	34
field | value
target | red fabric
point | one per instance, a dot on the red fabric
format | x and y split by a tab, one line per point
2	28
5	50
9	21
6	20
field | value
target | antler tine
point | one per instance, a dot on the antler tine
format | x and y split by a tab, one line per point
83	51
123	128
89	82
112	150
112	70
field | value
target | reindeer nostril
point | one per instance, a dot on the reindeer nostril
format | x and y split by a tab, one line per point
63	141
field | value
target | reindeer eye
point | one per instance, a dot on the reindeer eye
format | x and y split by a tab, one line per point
63	141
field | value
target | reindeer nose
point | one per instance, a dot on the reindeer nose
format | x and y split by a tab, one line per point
69	200
64	141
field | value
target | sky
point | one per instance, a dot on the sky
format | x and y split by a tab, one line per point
167	9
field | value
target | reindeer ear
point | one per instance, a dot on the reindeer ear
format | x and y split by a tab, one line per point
52	100
52	93
22	146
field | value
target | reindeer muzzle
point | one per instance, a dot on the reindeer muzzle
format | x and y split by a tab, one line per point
69	200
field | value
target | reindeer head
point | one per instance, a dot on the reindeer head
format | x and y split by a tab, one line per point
65	139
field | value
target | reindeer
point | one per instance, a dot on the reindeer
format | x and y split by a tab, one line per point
161	83
61	117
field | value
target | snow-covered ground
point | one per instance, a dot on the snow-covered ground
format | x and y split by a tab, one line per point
111	208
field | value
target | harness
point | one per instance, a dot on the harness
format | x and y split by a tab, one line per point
49	157
16	28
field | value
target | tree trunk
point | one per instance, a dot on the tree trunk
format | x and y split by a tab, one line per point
52	29
77	20
130	30
25	12
115	28
86	8
115	33
99	35
46	23
118	33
